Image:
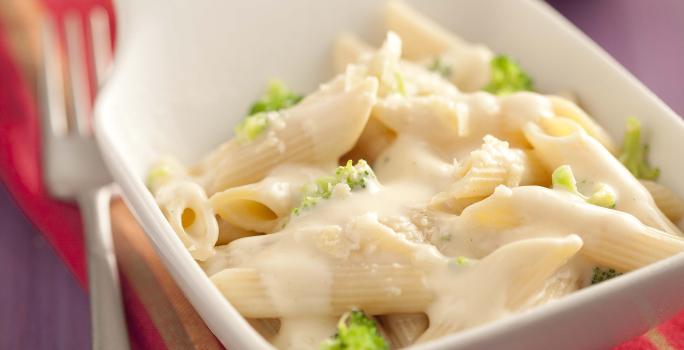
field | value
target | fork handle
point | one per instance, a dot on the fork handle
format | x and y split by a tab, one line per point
106	309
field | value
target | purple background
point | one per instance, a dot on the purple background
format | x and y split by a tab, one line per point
42	307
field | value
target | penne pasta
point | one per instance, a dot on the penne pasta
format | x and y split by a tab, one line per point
219	261
187	209
564	108
563	282
249	208
264	206
228	233
403	329
561	141
421	36
267	327
425	41
486	168
667	201
374	139
397	77
438	119
520	269
320	129
382	331
237	253
400	290
416	159
632	250
611	238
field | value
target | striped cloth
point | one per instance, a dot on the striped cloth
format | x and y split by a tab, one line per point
158	315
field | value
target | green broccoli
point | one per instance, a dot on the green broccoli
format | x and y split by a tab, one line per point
251	127
462	261
355	331
458	262
440	67
401	84
634	153
507	77
603	197
157	175
563	178
277	97
600	275
355	176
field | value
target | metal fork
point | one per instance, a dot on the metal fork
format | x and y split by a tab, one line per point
72	167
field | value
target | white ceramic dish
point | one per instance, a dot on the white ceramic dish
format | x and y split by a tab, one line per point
186	71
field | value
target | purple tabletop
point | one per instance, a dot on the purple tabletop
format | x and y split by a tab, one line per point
42	307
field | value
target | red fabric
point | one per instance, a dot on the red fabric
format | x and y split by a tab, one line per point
673	330
638	343
20	167
141	330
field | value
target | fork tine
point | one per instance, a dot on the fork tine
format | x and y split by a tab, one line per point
53	116
78	77
101	43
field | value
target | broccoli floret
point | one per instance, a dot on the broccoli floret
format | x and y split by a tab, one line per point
634	153
462	260
355	176
440	67
600	275
158	175
355	331
401	85
507	77
603	197
457	263
563	178
251	127
277	97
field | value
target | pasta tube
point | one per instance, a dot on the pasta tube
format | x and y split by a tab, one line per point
484	169
403	329
263	206
319	129
667	201
376	289
560	141
267	327
520	269
187	209
565	108
424	40
611	238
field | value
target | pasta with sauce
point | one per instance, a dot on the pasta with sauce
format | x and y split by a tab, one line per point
424	190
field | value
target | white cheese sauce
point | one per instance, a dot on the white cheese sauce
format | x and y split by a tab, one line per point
296	264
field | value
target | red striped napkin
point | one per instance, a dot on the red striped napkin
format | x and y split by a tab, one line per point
158	314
